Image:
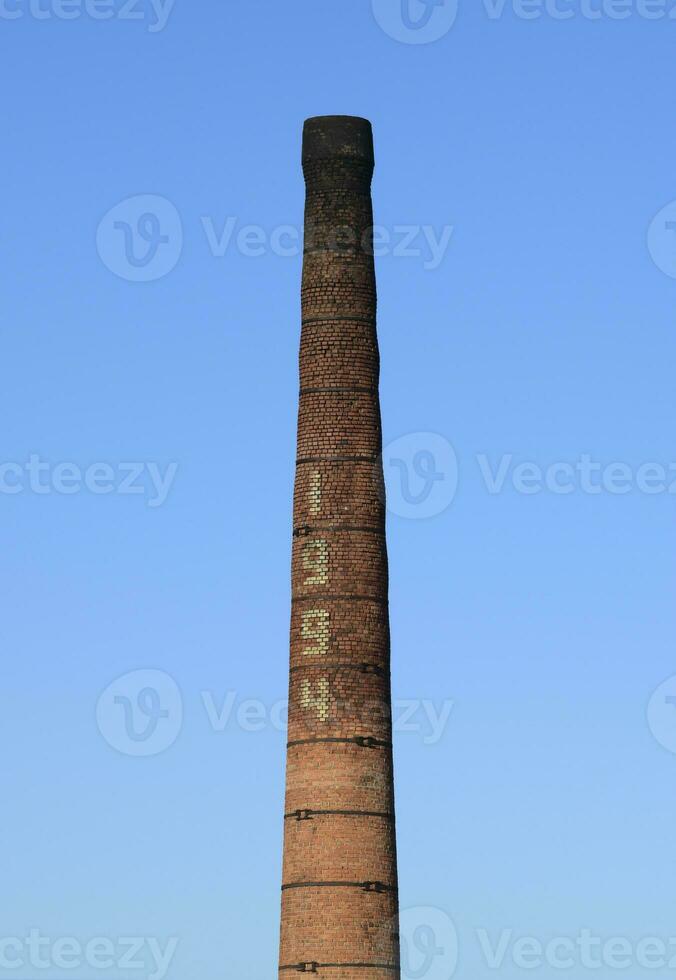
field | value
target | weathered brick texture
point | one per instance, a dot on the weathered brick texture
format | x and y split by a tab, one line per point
339	895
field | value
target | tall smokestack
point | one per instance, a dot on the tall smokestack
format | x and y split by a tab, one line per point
339	891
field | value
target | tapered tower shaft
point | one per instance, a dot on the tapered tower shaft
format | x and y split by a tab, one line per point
339	893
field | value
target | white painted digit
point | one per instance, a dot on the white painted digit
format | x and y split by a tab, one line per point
315	493
316	561
319	702
315	626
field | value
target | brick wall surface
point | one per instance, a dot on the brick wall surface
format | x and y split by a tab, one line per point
339	893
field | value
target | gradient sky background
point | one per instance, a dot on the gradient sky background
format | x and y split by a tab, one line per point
547	332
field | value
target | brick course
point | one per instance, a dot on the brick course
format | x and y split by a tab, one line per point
339	895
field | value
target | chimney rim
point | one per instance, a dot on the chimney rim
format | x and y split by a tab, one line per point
338	136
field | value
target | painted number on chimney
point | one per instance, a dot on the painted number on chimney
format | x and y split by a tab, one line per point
317	697
315	622
315	627
316	562
315	493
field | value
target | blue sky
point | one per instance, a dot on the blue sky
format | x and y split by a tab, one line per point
147	467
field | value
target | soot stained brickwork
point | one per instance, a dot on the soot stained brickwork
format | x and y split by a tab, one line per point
339	892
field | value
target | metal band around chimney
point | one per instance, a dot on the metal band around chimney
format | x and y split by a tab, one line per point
349	251
363	741
340	458
314	967
340	317
341	389
301	815
303	530
345	597
343	664
376	887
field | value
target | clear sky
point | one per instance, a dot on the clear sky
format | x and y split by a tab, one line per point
536	152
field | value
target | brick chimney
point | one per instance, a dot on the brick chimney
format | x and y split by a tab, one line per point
339	891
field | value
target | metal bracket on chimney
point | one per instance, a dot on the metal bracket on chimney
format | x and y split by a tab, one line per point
302	531
308	967
368	741
303	815
374	886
